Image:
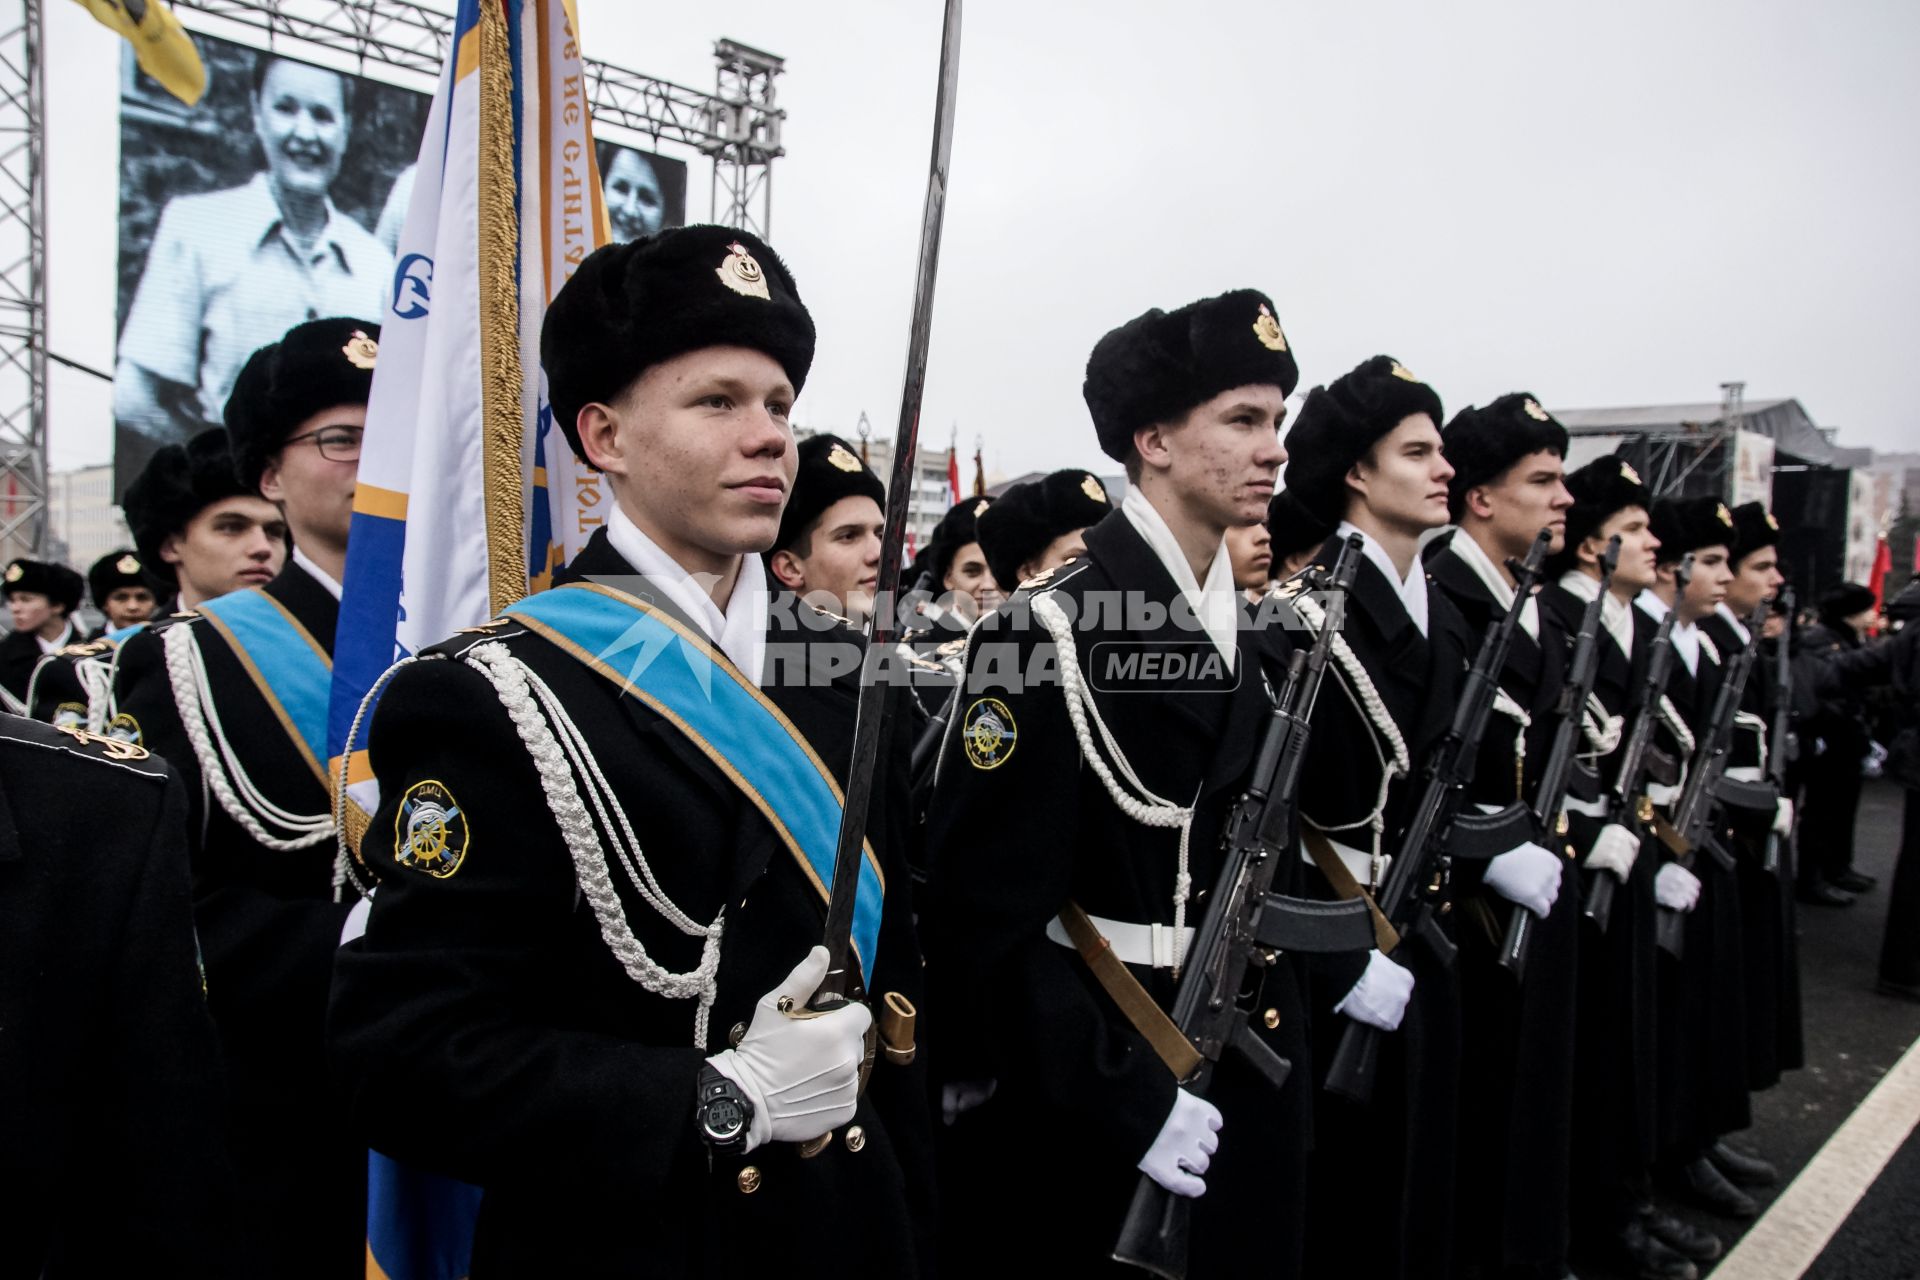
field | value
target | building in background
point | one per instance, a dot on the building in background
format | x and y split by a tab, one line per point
83	520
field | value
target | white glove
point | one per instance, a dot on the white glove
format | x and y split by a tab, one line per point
962	1096
801	1074
1783	817
1614	849
1381	996
1676	888
1184	1146
1528	875
356	921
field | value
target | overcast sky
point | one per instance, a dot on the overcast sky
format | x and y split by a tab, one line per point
1606	205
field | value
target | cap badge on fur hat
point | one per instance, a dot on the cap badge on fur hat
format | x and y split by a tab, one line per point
1091	487
1267	328
1534	410
1772	523
361	351
127	564
980	508
16	571
1723	515
842	459
1628	474
1401	371
742	274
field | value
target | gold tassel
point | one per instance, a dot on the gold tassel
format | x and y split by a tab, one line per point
502	428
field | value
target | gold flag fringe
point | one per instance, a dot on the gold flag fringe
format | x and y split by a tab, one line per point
500	373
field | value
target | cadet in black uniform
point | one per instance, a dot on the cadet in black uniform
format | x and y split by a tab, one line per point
1766	900
599	888
1366	453
110	1080
1837	737
1297	535
1517	1040
41	598
234	696
1615	1109
828	549
199	528
1119	781
70	686
1701	995
1041	524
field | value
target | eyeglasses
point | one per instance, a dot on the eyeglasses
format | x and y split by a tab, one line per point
336	444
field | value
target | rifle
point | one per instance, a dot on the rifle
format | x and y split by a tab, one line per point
1692	824
1240	930
1780	730
1582	668
1623	809
1422	851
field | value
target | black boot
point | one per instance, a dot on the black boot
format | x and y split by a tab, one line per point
1822	894
1707	1187
1682	1237
1650	1259
1855	881
1742	1170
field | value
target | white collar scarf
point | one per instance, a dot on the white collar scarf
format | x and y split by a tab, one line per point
1412	590
1733	620
1615	616
740	632
1216	603
318	574
1685	635
1476	558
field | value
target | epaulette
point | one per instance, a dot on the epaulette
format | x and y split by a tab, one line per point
75	741
1051	579
952	648
87	650
915	660
486	628
828	613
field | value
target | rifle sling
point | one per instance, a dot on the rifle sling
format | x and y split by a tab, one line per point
1343	883
1169	1043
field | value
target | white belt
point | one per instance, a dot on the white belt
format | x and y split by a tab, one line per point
1662	794
1585	808
1742	773
1359	863
1149	946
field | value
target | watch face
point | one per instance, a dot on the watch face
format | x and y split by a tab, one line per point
724	1118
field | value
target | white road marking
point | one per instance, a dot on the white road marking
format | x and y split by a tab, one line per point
1785	1242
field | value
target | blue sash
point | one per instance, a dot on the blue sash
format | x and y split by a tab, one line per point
291	670
118	635
677	673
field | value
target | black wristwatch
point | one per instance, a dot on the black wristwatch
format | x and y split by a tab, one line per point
722	1112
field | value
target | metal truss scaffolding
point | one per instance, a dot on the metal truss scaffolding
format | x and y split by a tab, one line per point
23	280
737	126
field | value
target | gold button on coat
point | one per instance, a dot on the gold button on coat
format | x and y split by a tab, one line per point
856	1137
1272	1018
748	1180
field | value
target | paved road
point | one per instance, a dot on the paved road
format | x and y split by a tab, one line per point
1853	1036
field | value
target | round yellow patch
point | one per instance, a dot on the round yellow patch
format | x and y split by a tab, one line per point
989	734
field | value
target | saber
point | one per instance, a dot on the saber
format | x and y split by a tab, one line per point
843	981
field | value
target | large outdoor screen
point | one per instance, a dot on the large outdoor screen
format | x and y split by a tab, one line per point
275	200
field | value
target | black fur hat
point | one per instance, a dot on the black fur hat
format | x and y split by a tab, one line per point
1157	367
1292	527
1483	443
631	306
115	570
178	482
1688	524
1024	519
1753	528
1843	601
56	582
1344	419
956	529
829	470
315	366
1602	488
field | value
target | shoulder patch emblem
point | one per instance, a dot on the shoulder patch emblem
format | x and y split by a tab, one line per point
125	728
111	747
430	832
988	733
